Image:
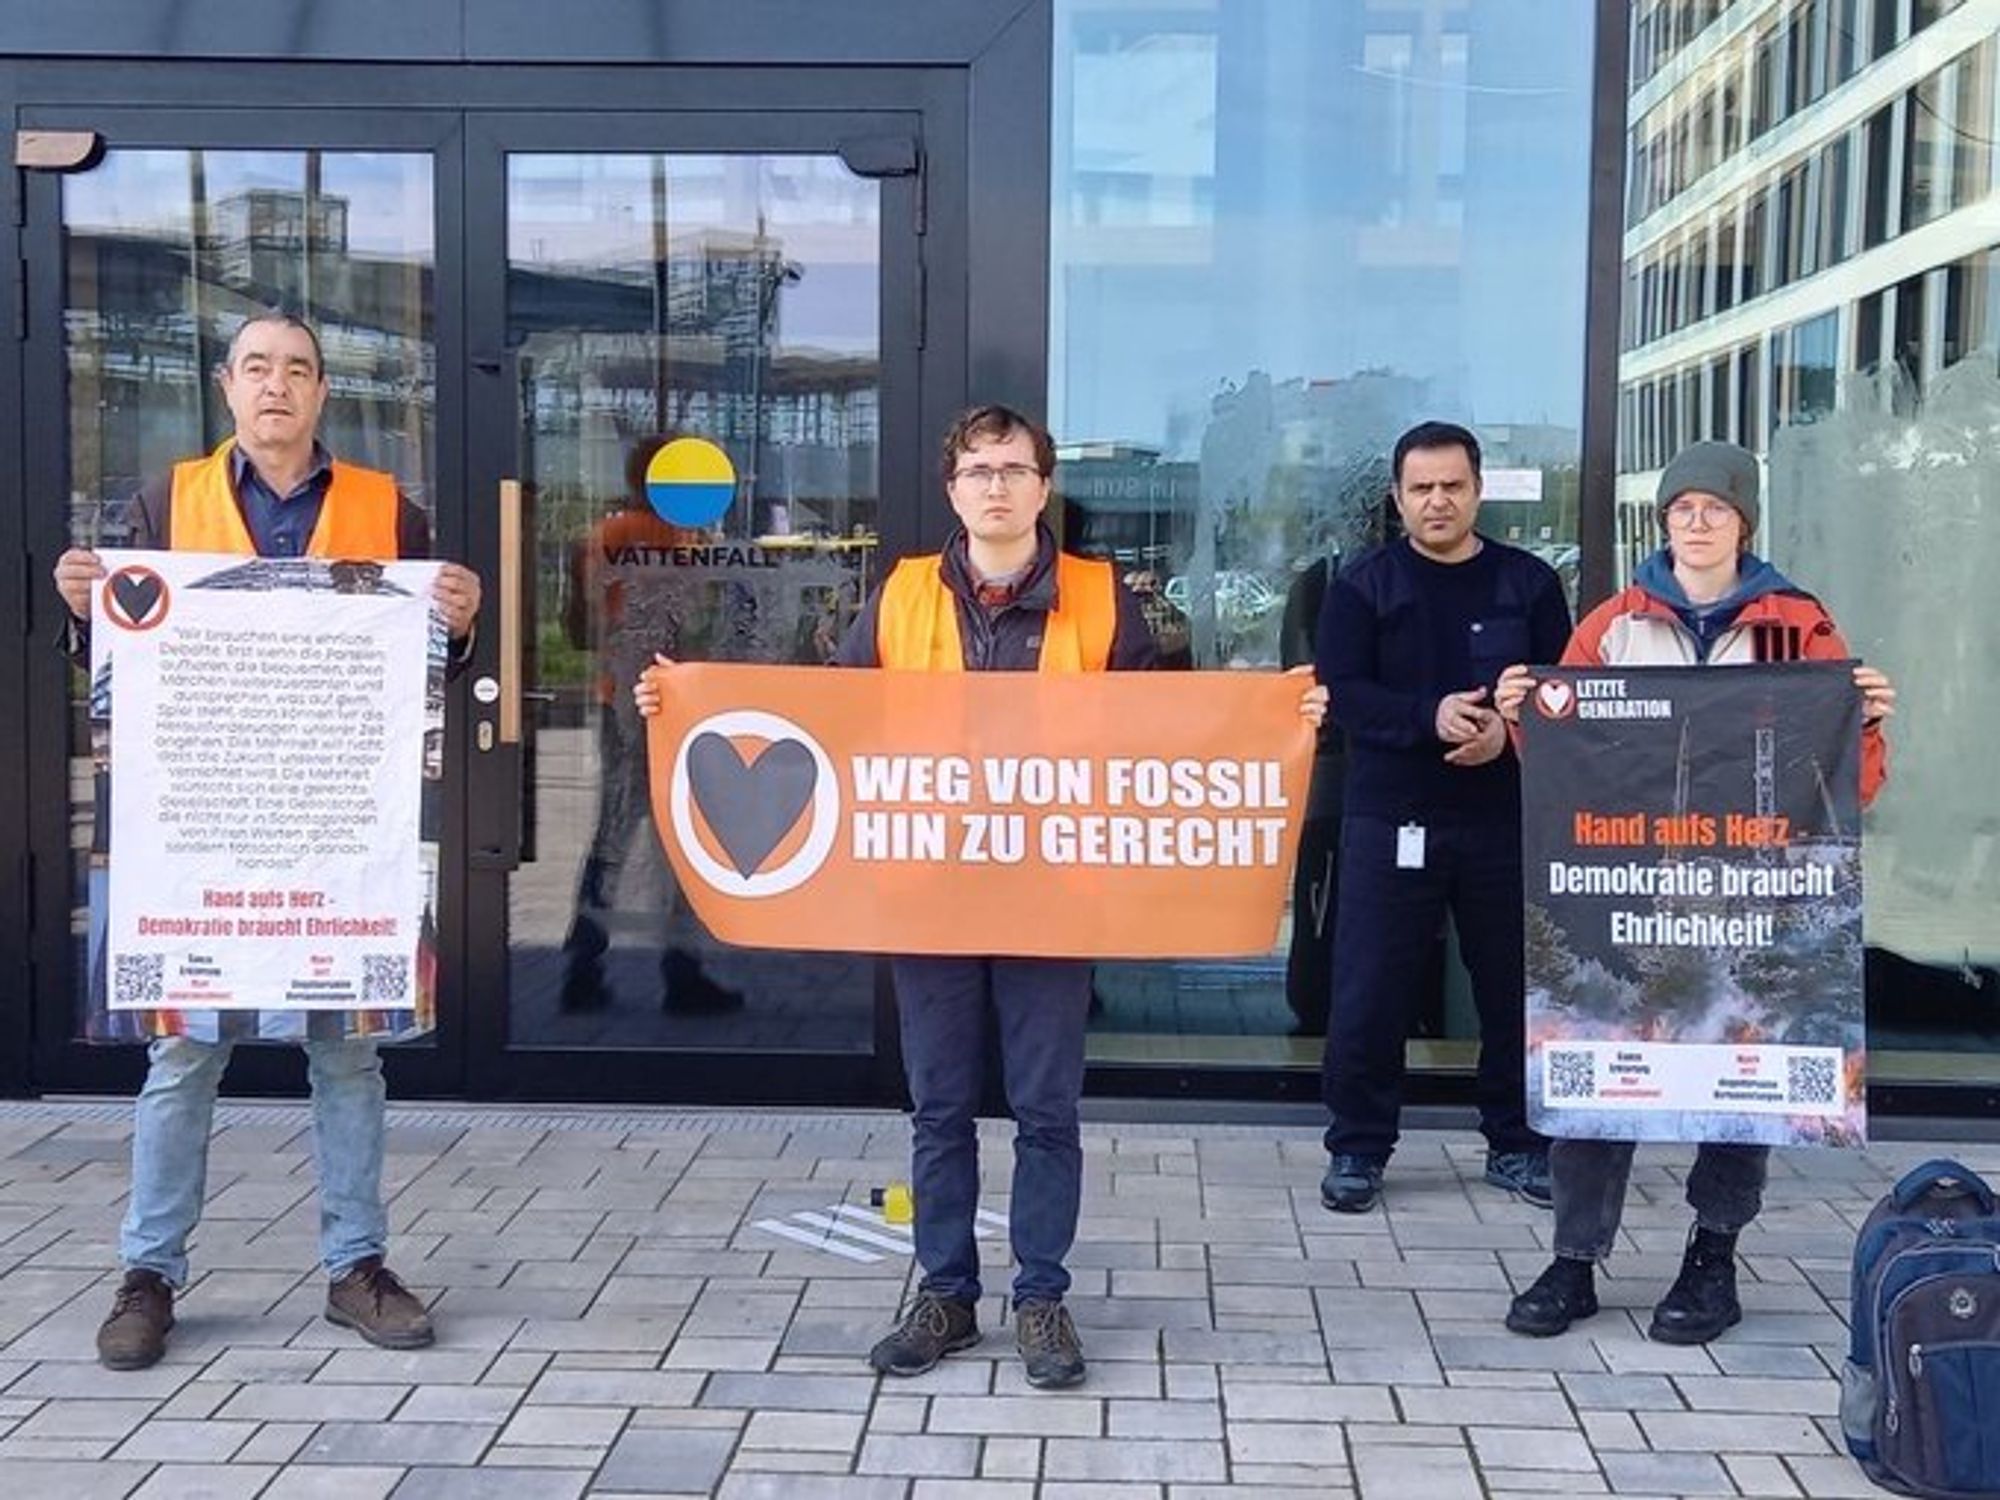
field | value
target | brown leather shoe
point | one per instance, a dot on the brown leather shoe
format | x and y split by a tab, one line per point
135	1335
370	1300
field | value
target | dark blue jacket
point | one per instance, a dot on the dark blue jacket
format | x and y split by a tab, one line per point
1381	658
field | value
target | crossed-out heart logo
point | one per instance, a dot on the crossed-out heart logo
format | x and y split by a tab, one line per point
756	803
135	598
1555	698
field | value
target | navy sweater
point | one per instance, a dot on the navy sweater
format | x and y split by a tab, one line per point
1397	633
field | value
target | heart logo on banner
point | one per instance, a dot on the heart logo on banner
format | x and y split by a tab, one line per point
750	805
1555	699
135	598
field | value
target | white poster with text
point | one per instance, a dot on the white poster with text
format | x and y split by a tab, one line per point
267	762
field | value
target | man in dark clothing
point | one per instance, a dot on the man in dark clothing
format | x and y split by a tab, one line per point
1001	597
1012	602
1412	637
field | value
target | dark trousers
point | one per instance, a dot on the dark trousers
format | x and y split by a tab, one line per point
1036	1008
1388	920
1315	891
1725	1190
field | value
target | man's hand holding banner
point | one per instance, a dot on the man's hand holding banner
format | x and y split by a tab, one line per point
1118	815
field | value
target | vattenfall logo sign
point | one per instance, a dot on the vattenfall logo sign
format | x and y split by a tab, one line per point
756	803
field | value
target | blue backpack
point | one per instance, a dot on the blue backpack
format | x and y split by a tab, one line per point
1920	1395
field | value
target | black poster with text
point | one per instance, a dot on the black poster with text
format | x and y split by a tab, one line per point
1691	841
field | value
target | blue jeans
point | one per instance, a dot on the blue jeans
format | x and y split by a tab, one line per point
170	1129
1725	1190
1036	1009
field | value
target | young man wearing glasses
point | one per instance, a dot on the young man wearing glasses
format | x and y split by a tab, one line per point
1001	597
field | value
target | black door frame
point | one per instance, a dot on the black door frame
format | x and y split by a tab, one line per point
21	632
919	388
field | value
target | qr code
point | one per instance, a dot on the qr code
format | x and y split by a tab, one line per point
1812	1080
1571	1075
385	979
139	979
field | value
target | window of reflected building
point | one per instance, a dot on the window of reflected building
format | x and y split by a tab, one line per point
1866	355
1282	233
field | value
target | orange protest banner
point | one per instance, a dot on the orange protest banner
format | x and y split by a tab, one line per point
1129	815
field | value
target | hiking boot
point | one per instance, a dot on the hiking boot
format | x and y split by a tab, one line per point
1702	1301
1352	1184
686	990
135	1335
1566	1291
1524	1173
932	1327
1049	1348
370	1300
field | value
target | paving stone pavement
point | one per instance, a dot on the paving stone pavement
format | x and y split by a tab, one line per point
678	1303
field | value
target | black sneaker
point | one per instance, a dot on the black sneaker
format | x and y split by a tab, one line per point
686	990
1352	1184
1048	1343
1566	1291
1524	1173
932	1327
1703	1300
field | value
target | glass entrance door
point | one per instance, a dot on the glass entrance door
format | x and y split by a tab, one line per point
693	341
145	254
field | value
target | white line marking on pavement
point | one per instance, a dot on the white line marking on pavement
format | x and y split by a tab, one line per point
852	1231
843	1223
867	1216
815	1241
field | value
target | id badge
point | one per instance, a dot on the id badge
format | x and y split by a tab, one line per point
1410	847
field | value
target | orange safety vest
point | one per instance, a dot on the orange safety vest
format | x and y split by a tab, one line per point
356	520
916	622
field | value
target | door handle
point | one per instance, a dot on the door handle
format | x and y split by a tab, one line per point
510	612
498	816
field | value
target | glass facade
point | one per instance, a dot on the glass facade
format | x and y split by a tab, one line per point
1282	233
1279	233
1820	287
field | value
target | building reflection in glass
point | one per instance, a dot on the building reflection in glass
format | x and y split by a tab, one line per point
1282	233
734	299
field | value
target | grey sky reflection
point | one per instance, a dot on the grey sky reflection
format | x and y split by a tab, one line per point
139	192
